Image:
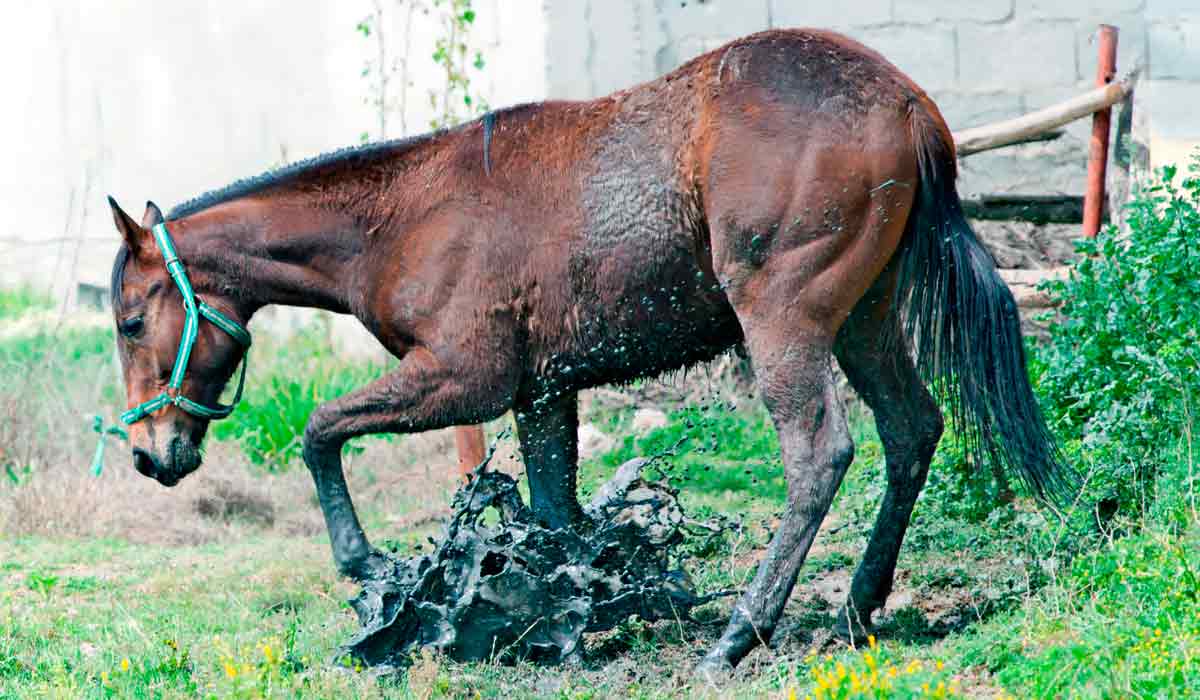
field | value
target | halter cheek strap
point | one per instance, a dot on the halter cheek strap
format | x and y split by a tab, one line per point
193	308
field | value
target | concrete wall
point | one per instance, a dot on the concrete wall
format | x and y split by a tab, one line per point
146	99
1170	99
163	100
982	60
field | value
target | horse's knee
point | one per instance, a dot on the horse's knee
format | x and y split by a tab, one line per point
909	445
841	452
930	428
318	438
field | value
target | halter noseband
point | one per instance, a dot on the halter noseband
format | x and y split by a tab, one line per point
194	308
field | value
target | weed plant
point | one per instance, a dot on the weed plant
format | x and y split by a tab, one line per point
1120	375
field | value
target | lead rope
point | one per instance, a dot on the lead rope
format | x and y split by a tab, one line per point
114	430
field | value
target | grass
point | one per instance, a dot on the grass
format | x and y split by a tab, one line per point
105	618
261	619
224	586
16	302
259	614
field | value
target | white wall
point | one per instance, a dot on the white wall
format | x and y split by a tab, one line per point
156	99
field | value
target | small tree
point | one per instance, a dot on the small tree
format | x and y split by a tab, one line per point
389	72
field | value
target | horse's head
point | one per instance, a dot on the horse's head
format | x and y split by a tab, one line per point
172	392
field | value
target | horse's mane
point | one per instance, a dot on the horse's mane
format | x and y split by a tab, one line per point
343	157
353	155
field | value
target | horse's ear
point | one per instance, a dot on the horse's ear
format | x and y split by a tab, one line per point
153	215
133	234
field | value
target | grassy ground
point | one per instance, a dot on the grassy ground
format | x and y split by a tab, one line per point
111	586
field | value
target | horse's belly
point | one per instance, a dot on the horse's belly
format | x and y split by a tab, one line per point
639	312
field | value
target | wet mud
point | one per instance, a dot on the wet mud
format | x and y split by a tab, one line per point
499	586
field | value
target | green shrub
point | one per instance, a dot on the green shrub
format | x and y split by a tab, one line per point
1119	376
301	373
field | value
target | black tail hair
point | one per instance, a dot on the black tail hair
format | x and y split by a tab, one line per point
965	326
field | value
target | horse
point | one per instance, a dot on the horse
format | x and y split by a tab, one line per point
792	193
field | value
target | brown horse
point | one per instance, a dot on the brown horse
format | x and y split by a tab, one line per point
792	191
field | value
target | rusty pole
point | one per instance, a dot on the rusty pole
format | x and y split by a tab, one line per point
468	439
1106	69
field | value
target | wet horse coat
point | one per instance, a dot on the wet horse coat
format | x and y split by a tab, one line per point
791	191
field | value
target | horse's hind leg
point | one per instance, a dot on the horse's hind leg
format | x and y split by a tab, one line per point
793	374
909	425
548	429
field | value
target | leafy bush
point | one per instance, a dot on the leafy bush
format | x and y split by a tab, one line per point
282	392
1119	376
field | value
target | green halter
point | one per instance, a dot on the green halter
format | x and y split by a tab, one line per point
194	308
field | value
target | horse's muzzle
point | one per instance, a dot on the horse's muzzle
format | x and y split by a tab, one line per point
182	458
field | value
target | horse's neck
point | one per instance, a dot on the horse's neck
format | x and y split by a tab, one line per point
263	254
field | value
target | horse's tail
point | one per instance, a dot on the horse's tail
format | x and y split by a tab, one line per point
964	323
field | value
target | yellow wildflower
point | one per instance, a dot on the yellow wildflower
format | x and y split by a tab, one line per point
125	664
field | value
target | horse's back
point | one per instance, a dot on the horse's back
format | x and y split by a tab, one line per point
658	187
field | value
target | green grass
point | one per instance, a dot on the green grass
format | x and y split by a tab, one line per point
727	459
730	457
263	616
1003	598
16	302
107	619
68	346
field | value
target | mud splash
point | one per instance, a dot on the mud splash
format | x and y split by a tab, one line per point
500	586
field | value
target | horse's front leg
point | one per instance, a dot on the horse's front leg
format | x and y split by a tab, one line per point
424	393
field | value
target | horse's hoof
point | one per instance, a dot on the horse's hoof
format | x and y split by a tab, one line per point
375	567
714	671
851	628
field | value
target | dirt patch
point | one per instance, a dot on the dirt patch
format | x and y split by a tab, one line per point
226	502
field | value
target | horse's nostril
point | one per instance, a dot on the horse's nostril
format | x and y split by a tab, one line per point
174	449
143	462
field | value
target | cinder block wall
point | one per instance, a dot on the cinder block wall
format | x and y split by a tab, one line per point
981	60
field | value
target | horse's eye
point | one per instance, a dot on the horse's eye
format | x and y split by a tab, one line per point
131	326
